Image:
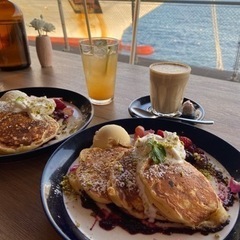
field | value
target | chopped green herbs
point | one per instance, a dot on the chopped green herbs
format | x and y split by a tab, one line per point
158	152
19	99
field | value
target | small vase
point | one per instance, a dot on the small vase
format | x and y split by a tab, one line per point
44	50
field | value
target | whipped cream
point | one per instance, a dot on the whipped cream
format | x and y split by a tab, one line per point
17	101
175	151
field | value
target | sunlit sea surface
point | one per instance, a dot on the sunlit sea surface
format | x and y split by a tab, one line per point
191	34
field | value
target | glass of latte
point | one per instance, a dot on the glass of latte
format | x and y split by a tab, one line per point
168	81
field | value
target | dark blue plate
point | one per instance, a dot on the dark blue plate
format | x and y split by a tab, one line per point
78	101
60	161
145	104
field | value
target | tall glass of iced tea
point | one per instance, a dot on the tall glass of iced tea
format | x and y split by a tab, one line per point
99	59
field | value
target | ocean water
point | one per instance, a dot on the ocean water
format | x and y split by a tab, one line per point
200	35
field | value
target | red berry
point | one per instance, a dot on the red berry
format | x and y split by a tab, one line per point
139	131
187	142
160	133
59	104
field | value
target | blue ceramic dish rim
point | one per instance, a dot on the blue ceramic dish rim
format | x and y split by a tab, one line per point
75	98
60	161
144	103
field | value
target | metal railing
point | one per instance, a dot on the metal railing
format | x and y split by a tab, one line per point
204	34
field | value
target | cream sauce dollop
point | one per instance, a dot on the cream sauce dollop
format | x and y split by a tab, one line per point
17	101
174	148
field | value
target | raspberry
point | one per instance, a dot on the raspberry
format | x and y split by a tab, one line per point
59	104
187	142
160	133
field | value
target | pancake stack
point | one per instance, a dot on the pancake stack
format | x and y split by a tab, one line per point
122	185
25	122
182	194
20	133
93	172
171	190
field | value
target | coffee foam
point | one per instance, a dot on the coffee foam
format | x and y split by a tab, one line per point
170	68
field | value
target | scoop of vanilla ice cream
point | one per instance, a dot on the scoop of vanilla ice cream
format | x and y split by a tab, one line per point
111	135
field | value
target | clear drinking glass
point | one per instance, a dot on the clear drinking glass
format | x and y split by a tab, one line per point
168	81
99	58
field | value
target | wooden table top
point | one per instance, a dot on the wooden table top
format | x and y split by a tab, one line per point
21	212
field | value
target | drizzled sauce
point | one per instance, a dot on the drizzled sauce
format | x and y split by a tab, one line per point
201	161
108	217
111	216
